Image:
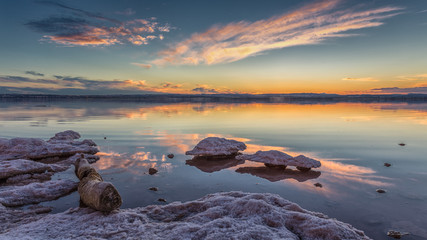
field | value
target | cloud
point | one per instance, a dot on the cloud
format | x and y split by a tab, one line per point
366	79
126	12
421	89
417	77
146	66
34	73
202	88
59	83
84	28
311	24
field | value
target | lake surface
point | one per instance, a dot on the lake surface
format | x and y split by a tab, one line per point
352	140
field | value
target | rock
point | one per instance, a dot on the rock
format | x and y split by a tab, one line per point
387	164
275	158
153	189
171	155
396	234
269	158
13	196
16	167
381	191
68	136
229	215
161	200
318	185
402	144
61	145
152	171
215	146
11	218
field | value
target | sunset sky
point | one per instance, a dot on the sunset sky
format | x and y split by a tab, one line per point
239	46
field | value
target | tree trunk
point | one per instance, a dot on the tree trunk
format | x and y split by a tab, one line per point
94	192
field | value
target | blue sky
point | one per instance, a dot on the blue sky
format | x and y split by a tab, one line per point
107	47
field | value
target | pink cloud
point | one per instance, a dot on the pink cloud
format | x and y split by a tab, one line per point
310	24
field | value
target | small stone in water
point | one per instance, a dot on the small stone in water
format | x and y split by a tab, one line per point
171	155
152	171
105	137
387	164
402	144
380	191
161	200
395	234
318	185
153	189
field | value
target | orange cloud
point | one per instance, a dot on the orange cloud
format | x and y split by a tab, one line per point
310	24
366	79
146	66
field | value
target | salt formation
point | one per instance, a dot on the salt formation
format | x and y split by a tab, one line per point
36	192
61	145
11	218
230	215
274	158
217	147
12	168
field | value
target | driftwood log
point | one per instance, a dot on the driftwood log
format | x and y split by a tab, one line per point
94	192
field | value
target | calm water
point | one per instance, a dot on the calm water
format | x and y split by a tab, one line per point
352	141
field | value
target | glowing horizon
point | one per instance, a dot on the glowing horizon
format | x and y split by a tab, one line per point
324	46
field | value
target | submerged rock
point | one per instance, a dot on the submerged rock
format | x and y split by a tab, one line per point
63	144
215	146
230	215
36	192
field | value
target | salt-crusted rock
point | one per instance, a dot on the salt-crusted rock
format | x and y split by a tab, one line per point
62	145
274	158
29	178
11	218
304	163
68	135
12	168
230	215
278	174
269	158
35	192
210	166
215	146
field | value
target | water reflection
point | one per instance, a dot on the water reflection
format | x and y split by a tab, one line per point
213	165
278	174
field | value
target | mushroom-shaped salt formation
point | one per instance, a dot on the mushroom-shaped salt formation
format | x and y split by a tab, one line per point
304	163
272	158
217	147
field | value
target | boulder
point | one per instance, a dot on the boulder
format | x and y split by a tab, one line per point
217	147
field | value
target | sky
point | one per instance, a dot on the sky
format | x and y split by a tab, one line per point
209	47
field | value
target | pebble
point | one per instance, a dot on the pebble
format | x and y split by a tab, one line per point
387	164
153	189
395	234
171	155
161	200
152	171
402	144
318	185
381	191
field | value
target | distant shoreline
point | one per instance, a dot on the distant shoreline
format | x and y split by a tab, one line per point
220	98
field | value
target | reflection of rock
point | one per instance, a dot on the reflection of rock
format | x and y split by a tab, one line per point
277	174
215	146
212	165
36	192
229	215
275	158
62	145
